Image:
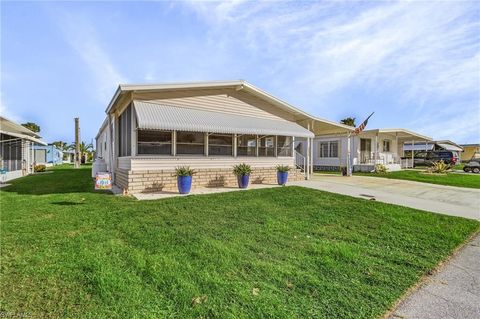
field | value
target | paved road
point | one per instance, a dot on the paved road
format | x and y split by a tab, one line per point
453	292
448	200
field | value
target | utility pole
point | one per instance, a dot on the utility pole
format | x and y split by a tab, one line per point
77	143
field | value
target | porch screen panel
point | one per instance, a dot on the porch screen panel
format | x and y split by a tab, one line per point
220	144
125	132
190	143
247	145
284	147
11	152
266	146
152	142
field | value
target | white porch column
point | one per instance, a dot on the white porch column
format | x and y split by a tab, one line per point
376	148
307	164
234	145
349	166
311	148
413	146
205	150
174	143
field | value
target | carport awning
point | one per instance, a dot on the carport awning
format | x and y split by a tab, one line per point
154	116
449	147
418	147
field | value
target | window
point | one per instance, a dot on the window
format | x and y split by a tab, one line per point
125	132
328	149
266	146
386	145
154	142
284	147
220	144
190	143
333	150
247	145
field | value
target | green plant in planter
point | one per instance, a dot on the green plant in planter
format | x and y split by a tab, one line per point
184	171
242	169
283	168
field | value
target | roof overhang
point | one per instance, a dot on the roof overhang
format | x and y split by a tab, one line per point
304	118
24	136
154	116
401	133
10	126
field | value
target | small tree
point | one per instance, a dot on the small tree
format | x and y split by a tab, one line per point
63	146
32	127
350	121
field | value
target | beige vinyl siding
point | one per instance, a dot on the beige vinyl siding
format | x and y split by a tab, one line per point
225	101
144	163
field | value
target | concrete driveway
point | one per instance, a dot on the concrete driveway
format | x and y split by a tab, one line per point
455	201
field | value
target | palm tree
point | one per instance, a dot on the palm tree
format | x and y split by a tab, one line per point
85	150
350	121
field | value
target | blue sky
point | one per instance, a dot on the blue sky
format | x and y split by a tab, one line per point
416	64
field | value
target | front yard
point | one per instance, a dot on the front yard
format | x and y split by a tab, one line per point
273	253
450	179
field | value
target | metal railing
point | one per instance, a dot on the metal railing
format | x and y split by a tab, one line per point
300	161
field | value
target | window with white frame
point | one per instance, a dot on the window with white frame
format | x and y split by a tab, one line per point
190	143
328	149
266	146
247	145
386	145
220	144
284	146
152	142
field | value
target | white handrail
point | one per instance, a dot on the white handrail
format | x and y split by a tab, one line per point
300	160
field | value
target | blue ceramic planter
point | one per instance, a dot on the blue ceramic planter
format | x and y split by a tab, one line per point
184	184
282	178
243	181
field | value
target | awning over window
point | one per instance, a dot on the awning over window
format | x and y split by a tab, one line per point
153	116
24	136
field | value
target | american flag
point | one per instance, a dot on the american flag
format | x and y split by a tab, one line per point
362	126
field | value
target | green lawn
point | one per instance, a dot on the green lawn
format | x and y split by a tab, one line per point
291	252
449	179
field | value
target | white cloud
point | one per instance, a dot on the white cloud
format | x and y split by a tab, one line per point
425	55
7	112
82	36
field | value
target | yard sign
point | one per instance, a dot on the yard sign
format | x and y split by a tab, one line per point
103	181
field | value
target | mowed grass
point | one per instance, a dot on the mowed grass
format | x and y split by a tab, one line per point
449	179
291	252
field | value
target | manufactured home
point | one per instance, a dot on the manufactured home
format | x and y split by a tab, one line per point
370	147
48	155
210	126
16	149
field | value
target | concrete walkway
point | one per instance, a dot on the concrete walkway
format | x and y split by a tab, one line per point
455	201
453	292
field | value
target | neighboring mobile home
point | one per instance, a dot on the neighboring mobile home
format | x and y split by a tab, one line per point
469	150
370	147
16	149
48	155
209	126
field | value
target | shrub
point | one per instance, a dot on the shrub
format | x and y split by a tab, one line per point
380	169
439	168
283	168
242	169
183	171
39	168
